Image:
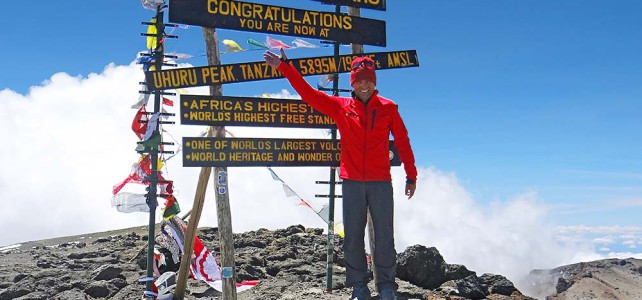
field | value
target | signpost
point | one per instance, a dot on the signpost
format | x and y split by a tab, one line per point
249	111
259	70
218	152
265	152
256	17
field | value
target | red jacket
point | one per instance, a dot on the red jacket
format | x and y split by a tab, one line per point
365	130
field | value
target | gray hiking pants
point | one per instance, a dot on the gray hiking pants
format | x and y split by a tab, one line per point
377	196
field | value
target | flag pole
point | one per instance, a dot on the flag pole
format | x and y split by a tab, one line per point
152	196
333	175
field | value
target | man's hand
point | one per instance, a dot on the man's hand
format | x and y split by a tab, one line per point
410	189
273	59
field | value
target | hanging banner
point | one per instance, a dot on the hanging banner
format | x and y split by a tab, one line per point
259	70
249	111
265	152
238	15
368	4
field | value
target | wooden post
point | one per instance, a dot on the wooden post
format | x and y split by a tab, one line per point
222	199
188	243
223	213
357	48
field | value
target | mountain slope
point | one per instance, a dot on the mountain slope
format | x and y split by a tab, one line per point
608	279
289	264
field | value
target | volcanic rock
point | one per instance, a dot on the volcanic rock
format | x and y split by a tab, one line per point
289	263
602	279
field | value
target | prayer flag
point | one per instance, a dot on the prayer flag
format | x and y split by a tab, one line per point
232	46
275	44
299	43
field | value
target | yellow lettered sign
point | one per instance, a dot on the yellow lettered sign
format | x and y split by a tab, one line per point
246	16
264	152
259	70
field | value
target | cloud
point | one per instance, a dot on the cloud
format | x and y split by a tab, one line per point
619	237
68	141
603	240
510	237
583	229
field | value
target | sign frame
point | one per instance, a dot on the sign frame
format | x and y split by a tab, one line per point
255	152
260	70
255	17
250	111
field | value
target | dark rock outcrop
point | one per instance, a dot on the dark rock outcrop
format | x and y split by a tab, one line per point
425	267
497	284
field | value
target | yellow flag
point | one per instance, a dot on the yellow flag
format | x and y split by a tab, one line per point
151	40
338	229
232	46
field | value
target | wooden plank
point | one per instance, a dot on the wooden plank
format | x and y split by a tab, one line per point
246	16
259	70
192	225
265	152
250	111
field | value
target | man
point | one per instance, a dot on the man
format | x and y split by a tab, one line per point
365	121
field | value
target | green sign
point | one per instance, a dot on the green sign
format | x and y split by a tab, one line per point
256	17
264	152
259	70
249	111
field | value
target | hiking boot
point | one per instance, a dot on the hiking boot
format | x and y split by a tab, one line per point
387	294
360	292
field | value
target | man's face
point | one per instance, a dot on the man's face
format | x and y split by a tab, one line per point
363	89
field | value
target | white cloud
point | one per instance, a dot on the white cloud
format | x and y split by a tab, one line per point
627	236
583	229
603	240
624	255
69	140
510	238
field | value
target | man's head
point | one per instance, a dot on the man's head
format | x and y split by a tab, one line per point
363	78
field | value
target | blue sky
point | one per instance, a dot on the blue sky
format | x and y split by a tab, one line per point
513	97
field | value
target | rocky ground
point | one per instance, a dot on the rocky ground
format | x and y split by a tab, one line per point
610	279
289	263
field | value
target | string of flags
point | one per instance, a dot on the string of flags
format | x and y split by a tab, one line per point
203	264
143	126
232	46
322	211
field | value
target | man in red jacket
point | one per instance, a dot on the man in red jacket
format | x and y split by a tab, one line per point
365	121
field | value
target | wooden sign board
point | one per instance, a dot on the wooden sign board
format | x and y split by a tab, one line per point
368	4
259	70
248	111
245	16
264	152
